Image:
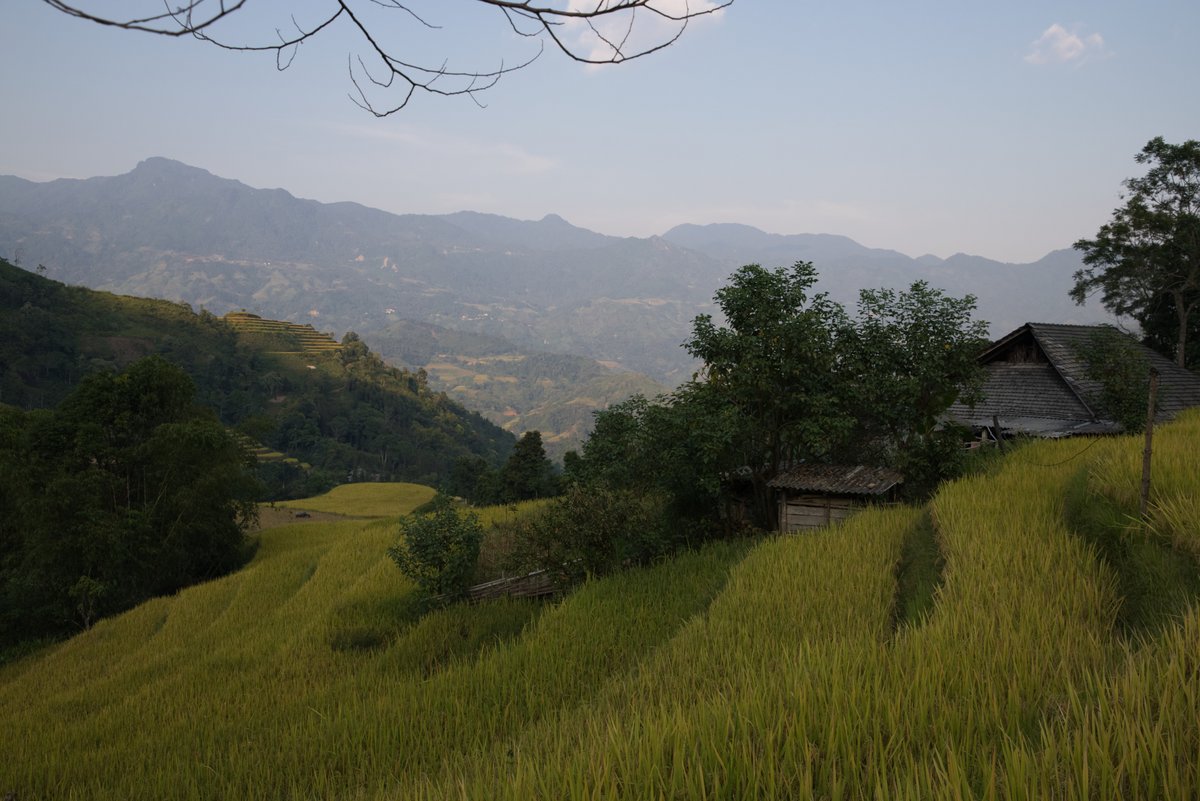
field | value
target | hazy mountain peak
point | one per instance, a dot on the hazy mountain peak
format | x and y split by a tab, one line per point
551	232
162	163
735	240
161	168
711	233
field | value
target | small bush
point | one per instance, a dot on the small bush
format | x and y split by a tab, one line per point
593	530
438	550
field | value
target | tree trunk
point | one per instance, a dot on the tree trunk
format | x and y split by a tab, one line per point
1182	312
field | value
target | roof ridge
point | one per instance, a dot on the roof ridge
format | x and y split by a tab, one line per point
1073	325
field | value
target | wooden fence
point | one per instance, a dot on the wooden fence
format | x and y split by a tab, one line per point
537	584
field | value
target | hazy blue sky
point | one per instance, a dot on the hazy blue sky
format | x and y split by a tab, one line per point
998	129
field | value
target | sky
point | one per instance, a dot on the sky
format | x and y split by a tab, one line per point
997	129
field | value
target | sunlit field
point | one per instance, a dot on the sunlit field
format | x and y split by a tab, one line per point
784	667
367	499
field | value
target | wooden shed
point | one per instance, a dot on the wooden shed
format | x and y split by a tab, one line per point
816	495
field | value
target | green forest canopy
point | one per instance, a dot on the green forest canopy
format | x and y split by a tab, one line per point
344	412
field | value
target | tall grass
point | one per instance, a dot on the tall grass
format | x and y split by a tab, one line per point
1174	508
794	685
715	713
746	670
366	499
240	688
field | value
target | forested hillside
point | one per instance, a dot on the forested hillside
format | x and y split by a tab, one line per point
343	412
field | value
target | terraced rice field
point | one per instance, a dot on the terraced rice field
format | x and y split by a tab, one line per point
779	668
366	499
303	337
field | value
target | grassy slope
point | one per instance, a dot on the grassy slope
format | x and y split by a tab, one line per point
367	499
777	673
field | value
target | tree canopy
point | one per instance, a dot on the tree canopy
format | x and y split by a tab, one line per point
126	490
1121	368
775	363
1145	261
790	378
438	549
528	473
907	358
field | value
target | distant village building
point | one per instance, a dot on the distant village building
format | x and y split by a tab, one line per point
816	495
1038	385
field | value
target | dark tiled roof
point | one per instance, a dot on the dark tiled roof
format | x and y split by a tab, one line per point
838	479
1025	390
1178	387
1056	397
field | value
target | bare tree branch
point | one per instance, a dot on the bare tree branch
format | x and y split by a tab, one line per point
180	21
609	27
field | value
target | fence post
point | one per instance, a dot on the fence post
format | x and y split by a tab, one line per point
1145	500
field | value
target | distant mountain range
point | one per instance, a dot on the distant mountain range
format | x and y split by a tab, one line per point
1008	294
173	231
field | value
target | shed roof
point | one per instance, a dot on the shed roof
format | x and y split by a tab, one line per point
838	479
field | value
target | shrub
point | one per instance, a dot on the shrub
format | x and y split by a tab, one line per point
593	530
438	550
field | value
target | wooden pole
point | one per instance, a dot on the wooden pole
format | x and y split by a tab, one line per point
996	431
1145	501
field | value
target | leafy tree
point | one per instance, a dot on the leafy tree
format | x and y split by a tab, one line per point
353	349
593	530
1149	251
1121	367
469	478
439	549
528	473
906	359
678	446
791	378
1160	330
775	364
125	491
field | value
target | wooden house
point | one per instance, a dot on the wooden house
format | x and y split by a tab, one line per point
1037	384
816	495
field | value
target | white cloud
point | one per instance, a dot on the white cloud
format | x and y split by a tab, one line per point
632	31
1057	45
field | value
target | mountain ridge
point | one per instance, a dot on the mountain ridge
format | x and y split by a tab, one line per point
167	229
